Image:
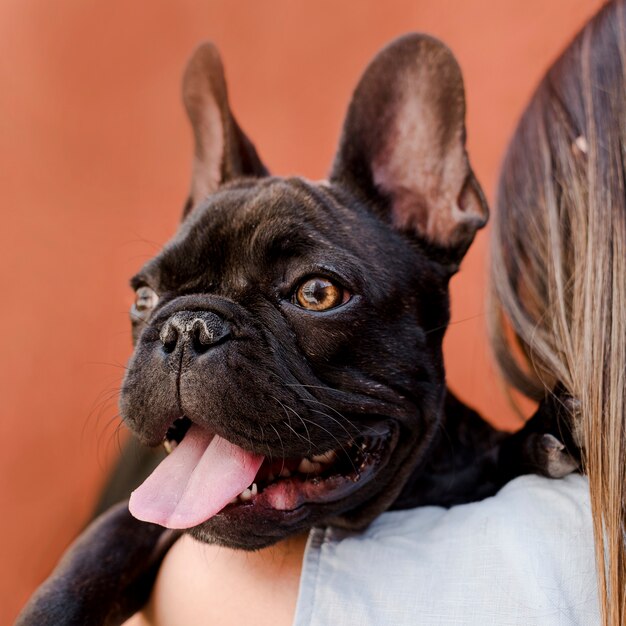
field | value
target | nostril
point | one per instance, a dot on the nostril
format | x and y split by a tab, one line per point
203	337
202	334
169	337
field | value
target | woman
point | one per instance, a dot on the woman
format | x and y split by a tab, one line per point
559	269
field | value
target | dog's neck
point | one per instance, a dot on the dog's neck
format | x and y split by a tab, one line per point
462	464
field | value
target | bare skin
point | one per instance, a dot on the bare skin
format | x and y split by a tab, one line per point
201	584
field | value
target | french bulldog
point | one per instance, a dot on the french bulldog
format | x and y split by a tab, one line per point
288	340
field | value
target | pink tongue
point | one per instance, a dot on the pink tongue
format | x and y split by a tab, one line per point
196	481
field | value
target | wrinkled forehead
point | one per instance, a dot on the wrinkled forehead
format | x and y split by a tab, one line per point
259	224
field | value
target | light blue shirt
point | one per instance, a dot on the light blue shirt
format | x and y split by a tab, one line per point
524	557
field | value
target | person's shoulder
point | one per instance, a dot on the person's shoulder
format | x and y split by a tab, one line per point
523	556
536	496
573	487
539	502
529	500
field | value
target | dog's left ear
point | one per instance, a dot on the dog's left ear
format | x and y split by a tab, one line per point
403	145
222	151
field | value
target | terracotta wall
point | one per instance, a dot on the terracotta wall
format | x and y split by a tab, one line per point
94	161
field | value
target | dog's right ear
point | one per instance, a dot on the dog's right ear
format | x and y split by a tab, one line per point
222	151
403	146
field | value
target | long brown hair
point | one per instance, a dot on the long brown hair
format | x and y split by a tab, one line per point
558	278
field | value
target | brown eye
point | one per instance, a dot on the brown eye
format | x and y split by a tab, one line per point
145	300
320	294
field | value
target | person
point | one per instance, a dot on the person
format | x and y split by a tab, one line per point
558	321
558	303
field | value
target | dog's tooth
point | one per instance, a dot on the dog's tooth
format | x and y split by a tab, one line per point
234	500
245	495
169	446
309	467
305	466
327	457
254	489
285	473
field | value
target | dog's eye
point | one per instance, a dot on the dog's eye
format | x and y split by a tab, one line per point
320	294
145	300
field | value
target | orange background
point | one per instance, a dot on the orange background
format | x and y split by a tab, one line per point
94	167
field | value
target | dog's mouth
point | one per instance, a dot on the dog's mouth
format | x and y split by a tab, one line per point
205	475
287	484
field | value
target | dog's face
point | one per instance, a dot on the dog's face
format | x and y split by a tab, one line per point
288	338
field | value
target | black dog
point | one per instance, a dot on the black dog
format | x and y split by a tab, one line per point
288	340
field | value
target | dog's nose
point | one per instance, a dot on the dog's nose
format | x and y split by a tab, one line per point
197	330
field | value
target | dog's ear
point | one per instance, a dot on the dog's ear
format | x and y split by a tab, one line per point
403	145
222	151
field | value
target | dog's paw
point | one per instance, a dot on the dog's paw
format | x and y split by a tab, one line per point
104	577
552	458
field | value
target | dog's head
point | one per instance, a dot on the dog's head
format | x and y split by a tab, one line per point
288	337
